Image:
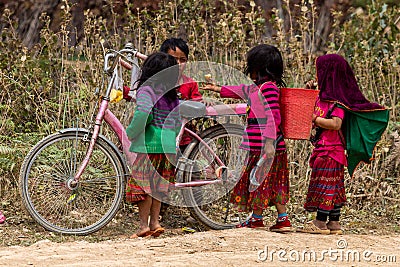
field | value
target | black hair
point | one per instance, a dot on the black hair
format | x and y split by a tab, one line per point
160	70
267	63
173	43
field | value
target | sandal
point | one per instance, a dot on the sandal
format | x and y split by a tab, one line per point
157	232
336	231
2	217
251	223
145	234
311	228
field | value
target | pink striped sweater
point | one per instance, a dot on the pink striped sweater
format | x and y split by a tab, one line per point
263	114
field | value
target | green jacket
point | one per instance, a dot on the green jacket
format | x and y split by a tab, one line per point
155	123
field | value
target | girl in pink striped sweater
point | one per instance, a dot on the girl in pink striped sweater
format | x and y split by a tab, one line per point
263	135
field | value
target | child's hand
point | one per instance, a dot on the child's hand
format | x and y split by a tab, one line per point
311	84
211	87
269	148
208	102
314	117
210	84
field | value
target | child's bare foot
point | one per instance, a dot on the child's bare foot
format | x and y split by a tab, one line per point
142	232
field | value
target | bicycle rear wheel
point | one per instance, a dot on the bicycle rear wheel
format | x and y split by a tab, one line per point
90	205
210	204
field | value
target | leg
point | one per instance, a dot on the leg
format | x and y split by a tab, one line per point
323	191
320	221
144	212
280	208
154	214
155	226
333	223
280	187
282	215
257	212
282	223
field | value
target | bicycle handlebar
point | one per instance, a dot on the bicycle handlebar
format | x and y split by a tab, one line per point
127	52
127	65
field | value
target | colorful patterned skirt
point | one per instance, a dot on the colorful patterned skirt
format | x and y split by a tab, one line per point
326	188
152	174
273	190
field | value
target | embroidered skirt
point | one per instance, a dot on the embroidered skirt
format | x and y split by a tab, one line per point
326	188
273	190
152	174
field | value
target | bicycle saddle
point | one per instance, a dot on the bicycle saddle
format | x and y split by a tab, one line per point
192	109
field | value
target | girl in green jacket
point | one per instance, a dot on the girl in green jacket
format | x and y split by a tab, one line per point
152	132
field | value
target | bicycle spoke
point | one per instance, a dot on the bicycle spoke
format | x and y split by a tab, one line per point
83	209
211	204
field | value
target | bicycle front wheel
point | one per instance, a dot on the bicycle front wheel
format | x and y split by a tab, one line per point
211	204
89	205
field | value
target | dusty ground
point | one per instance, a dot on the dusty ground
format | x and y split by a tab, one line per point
374	241
236	247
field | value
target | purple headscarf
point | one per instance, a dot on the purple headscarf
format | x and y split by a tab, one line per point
336	82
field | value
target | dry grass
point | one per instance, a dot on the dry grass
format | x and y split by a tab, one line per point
51	85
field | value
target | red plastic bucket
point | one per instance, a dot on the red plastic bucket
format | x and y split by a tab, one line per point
297	107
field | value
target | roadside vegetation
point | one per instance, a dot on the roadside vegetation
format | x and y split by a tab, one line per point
51	86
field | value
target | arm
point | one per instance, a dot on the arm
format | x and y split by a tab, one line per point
270	94
138	124
332	120
334	123
212	87
229	91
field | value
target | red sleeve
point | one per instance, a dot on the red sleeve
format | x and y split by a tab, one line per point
125	94
190	90
195	94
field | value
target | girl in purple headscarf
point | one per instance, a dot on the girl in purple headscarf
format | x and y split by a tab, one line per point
326	192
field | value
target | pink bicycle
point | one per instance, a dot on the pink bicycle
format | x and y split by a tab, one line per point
73	181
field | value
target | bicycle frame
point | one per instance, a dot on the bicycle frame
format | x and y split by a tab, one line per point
61	173
104	114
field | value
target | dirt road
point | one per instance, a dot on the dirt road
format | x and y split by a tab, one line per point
236	247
